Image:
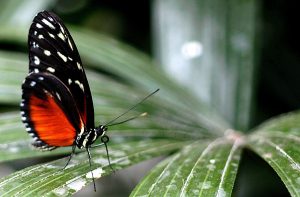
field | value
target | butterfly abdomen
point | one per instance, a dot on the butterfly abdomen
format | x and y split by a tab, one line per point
85	139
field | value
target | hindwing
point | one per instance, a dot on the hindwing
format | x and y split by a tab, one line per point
48	111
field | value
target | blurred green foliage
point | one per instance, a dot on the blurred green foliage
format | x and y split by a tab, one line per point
273	82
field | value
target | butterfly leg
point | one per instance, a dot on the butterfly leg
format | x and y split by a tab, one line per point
70	157
105	140
90	158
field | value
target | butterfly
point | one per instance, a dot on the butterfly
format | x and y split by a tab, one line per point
57	107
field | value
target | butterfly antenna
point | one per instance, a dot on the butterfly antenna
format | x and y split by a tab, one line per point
131	108
129	119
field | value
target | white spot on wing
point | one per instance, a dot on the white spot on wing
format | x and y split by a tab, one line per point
69	81
36	70
70	44
39	26
80	85
46	22
64	58
50	19
35	45
34	33
61	36
58	96
23	118
51	35
36	60
61	29
46	52
41	78
40	36
50	69
79	66
32	83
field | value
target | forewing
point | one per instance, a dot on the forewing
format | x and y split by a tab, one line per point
52	50
48	111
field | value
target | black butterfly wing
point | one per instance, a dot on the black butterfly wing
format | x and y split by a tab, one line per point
48	111
52	50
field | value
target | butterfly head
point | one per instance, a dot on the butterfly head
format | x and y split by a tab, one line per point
101	130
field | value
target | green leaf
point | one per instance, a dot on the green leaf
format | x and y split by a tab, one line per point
287	123
50	180
204	168
277	142
12	66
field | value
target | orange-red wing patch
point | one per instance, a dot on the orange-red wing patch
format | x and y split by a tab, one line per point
50	122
